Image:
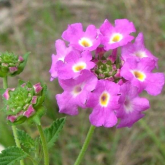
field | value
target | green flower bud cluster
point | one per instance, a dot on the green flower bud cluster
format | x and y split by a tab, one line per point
104	69
25	102
11	64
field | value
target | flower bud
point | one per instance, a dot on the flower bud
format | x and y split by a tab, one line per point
11	64
24	102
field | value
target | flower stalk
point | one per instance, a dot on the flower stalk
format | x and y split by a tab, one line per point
44	145
85	145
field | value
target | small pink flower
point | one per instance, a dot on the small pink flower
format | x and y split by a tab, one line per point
74	64
37	88
6	94
76	92
81	40
34	100
62	52
137	50
13	69
104	100
113	37
20	58
140	75
29	112
11	118
132	106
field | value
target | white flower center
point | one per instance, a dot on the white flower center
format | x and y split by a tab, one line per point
79	66
61	59
128	106
116	38
85	42
140	54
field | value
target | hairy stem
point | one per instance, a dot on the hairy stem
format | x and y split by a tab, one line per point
85	145
44	145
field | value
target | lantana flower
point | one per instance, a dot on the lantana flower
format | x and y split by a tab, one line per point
74	63
62	51
24	102
137	50
132	105
104	101
81	40
140	75
94	75
113	37
76	92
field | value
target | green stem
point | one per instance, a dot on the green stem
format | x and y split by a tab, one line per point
85	145
44	145
33	161
5	86
17	141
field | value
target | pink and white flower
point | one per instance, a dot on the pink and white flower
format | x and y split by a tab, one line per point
137	50
113	37
81	40
140	75
62	52
74	63
76	92
104	101
132	106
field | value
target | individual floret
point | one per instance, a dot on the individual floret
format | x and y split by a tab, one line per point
81	40
115	36
104	100
62	52
140	75
137	50
132	106
76	92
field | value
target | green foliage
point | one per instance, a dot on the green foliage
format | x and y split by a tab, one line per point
51	133
25	140
12	154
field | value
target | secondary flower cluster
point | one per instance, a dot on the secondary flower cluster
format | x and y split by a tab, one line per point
94	75
11	64
24	102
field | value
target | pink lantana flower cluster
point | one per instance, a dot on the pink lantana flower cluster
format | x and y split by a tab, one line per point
93	74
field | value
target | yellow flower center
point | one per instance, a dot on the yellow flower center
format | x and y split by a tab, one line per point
85	42
139	75
104	99
78	67
116	38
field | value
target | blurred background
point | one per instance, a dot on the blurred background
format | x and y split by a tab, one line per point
34	25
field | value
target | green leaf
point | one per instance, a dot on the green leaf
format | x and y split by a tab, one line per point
12	154
51	133
20	82
25	140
